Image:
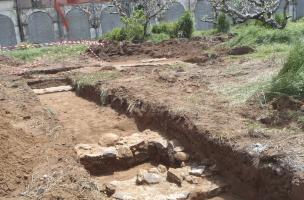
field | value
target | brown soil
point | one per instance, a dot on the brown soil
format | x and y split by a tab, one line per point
86	122
5	60
185	101
166	49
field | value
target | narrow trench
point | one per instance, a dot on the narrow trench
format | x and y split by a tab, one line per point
144	174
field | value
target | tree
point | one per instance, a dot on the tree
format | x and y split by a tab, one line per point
243	10
150	8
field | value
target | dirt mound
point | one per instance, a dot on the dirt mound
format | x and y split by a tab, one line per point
15	165
185	49
241	50
5	60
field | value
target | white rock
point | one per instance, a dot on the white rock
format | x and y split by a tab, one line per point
197	171
178	196
122	196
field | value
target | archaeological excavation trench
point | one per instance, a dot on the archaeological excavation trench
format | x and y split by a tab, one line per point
128	162
137	150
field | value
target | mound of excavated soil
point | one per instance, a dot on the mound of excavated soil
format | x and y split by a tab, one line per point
190	50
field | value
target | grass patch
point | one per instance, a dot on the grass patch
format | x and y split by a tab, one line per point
94	78
204	33
251	34
55	52
156	38
290	80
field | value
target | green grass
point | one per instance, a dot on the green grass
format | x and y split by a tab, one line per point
94	78
203	33
54	53
255	35
265	40
290	80
156	38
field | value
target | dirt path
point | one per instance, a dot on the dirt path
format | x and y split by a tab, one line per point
85	121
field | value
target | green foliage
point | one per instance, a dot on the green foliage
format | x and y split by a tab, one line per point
280	18
290	80
133	29
117	34
223	23
165	28
134	26
184	26
53	53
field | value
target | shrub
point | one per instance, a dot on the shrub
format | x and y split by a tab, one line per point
133	29
223	23
280	19
165	28
118	34
290	80
184	27
134	26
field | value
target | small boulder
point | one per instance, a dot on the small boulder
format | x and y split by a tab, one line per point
153	170
179	196
162	169
109	189
174	176
192	179
122	196
181	156
197	171
147	178
124	152
197	194
110	152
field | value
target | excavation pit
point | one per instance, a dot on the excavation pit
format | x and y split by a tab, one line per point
127	163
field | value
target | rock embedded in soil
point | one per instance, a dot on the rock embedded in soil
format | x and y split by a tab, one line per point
174	176
197	171
122	196
179	196
109	189
151	178
162	169
181	156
